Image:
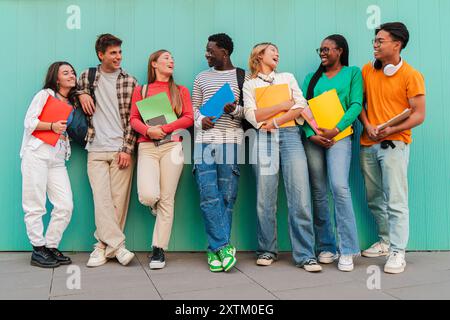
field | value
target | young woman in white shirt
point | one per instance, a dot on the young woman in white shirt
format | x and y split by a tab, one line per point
277	146
44	172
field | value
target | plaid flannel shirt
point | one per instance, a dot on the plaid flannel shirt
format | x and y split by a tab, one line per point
125	87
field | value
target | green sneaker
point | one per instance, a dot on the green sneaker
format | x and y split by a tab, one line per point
215	265
227	257
233	248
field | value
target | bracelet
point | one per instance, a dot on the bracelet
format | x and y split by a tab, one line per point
275	124
51	126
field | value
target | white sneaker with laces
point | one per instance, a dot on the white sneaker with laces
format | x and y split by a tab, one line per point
345	263
327	257
396	263
97	258
124	256
378	249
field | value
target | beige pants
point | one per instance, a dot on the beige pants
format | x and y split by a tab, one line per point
111	191
158	172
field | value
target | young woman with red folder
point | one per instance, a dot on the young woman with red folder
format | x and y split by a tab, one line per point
44	171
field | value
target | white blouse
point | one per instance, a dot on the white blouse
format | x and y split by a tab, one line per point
271	79
31	121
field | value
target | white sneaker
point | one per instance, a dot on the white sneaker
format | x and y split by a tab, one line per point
396	263
378	249
97	258
327	257
345	263
124	256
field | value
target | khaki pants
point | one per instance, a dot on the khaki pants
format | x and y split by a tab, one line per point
158	172
111	188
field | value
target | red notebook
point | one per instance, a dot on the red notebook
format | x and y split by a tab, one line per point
54	110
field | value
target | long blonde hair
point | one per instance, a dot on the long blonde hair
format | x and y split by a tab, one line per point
255	60
174	91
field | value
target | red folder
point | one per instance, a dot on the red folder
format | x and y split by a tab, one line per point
54	110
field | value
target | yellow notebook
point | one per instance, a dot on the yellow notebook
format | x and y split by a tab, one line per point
272	95
328	111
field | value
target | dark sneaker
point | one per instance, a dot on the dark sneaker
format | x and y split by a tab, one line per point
264	259
43	258
157	261
62	259
312	266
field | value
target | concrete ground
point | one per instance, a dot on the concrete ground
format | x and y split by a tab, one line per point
187	277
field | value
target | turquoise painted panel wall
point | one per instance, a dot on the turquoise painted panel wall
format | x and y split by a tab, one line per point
34	34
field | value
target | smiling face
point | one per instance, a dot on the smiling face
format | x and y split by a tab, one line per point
270	57
111	58
329	53
384	46
164	65
66	77
215	55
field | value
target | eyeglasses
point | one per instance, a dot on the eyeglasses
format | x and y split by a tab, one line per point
379	42
324	50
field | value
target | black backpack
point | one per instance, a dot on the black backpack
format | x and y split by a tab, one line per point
79	126
240	80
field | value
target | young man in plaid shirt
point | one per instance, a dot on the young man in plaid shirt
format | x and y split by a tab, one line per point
110	146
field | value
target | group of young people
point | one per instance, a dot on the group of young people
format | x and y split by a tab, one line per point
311	163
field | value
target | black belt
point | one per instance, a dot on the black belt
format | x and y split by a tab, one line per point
387	143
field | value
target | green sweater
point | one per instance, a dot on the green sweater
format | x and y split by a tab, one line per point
349	86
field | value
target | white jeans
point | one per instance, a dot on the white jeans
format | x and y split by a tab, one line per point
44	173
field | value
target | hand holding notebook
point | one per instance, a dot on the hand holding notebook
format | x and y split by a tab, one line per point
214	107
328	111
273	95
53	111
157	110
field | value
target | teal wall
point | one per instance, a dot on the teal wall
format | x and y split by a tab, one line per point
33	34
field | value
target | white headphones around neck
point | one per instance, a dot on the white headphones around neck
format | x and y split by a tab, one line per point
390	69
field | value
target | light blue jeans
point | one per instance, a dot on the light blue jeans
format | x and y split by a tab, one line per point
386	177
284	149
331	167
217	175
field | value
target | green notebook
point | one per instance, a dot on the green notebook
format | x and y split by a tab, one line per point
155	107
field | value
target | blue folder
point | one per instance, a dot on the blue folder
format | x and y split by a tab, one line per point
215	105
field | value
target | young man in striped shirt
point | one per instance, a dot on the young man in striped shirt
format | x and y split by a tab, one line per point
216	168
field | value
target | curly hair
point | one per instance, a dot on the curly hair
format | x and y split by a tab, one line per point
223	41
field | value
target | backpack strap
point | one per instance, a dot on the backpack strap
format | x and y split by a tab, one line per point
91	80
240	73
144	90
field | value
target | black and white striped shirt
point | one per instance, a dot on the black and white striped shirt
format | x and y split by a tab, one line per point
228	128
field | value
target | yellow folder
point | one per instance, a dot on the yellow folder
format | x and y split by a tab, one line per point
272	95
328	111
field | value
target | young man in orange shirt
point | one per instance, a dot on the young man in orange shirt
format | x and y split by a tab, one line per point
391	85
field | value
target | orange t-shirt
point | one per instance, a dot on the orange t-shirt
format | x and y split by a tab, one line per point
388	96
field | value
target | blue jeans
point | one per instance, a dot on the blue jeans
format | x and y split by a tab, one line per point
386	177
284	146
331	167
217	175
